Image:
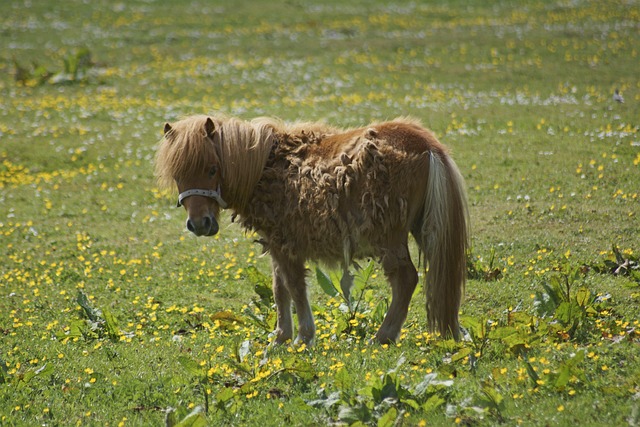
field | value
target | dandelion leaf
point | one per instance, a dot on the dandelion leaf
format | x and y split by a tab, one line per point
93	314
326	283
113	331
191	366
343	380
389	418
432	403
195	419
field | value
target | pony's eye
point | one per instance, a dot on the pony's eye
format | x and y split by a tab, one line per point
213	172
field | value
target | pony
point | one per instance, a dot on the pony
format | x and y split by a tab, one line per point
316	192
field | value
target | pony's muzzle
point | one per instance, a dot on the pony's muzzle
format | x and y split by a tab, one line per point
204	226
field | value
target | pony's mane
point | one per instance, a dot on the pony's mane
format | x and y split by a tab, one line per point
243	151
182	150
241	148
245	147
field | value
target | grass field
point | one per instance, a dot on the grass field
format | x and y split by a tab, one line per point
112	314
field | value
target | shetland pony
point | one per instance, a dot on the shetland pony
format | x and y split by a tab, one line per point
316	192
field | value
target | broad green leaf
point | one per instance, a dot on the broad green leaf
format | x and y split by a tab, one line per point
343	380
474	326
170	419
430	381
226	319
389	418
327	402
380	310
191	366
574	274
325	283
570	368
489	400
494	398
113	331
554	290
516	318
341	324
411	403
301	368
195	419
533	375
75	328
564	374
256	276
46	369
351	414
565	312
583	297
348	414
4	376
262	285
83	301
362	277
514	340
591	311
225	395
28	376
432	403
388	389
578	357
226	316
246	388
464	352
503	332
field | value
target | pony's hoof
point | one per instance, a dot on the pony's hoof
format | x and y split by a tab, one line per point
278	343
279	337
382	339
309	342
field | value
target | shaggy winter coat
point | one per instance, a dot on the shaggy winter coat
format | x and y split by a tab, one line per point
314	192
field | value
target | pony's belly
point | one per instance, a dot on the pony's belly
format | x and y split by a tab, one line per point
333	246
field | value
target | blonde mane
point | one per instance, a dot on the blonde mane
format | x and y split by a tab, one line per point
243	150
182	150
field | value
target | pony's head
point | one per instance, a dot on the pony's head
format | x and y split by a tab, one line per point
215	162
189	159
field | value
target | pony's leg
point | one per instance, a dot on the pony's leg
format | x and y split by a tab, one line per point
292	276
284	327
403	279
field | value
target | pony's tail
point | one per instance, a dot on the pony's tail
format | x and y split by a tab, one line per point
443	240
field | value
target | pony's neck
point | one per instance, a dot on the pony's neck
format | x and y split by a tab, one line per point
244	150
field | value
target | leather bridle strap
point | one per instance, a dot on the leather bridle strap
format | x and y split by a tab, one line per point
212	194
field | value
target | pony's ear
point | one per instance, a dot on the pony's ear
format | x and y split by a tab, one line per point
209	127
167	128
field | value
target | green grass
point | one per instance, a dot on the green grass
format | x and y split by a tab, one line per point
521	92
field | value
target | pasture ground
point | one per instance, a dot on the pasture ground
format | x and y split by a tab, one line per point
112	314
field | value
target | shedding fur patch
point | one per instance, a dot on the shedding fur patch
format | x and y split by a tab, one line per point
334	209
